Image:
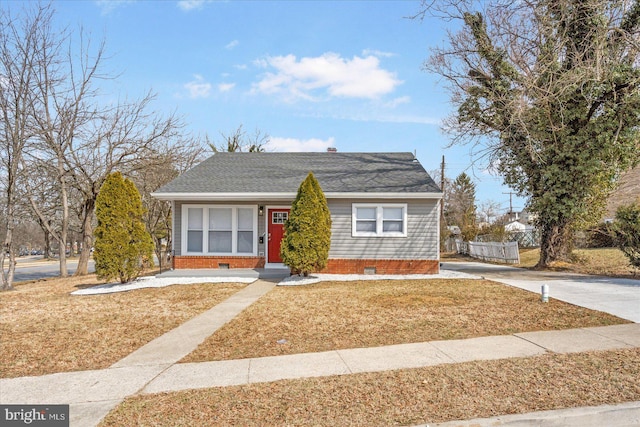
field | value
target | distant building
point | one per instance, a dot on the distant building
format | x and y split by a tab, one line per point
527	217
518	226
454	229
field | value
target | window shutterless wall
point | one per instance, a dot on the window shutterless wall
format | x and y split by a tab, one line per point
421	241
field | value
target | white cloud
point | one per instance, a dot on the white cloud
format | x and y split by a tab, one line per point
232	44
198	88
359	77
378	53
226	87
188	5
299	145
108	6
398	101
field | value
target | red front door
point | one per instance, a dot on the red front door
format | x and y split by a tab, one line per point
277	218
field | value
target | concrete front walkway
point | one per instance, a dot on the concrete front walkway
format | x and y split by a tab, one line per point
93	394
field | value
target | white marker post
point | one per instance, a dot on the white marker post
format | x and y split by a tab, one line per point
545	293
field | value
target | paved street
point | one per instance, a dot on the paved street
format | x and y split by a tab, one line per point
35	268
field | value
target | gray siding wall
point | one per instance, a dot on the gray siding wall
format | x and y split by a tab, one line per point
421	241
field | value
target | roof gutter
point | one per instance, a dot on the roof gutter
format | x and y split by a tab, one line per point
289	196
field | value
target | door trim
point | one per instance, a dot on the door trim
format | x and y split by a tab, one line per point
267	218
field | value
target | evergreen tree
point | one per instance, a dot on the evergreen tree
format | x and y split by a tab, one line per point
305	246
460	208
326	214
122	243
627	232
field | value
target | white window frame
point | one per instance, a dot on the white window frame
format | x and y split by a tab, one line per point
185	221
205	231
379	207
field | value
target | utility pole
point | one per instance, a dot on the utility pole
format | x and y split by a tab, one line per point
442	187
510	193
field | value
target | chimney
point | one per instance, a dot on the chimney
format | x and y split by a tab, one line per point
332	150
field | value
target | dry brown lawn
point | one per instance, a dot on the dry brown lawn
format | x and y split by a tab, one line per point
44	329
403	397
598	261
338	315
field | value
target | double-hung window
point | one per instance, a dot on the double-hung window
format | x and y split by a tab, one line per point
220	230
194	229
245	230
379	220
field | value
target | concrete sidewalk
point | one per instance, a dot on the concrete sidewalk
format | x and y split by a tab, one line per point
620	297
224	373
622	415
92	394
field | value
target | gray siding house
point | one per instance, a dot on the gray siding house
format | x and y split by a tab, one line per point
229	211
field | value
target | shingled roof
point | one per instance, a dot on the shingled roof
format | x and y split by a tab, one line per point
282	173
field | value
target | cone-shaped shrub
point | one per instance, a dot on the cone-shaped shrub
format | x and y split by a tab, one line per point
307	233
122	244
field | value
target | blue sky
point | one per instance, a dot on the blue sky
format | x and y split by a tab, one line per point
311	74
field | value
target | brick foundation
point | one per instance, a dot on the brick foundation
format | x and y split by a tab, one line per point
187	262
334	266
382	266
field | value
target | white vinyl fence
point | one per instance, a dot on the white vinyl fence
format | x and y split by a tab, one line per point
491	251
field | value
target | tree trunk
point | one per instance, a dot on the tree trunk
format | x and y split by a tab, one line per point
47	243
64	230
62	253
555	244
7	277
85	254
87	238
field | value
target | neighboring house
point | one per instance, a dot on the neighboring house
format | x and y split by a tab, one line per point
517	226
527	217
229	211
454	230
524	217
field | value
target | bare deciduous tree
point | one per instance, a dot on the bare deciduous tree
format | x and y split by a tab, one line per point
60	104
77	139
240	141
125	137
19	37
179	157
